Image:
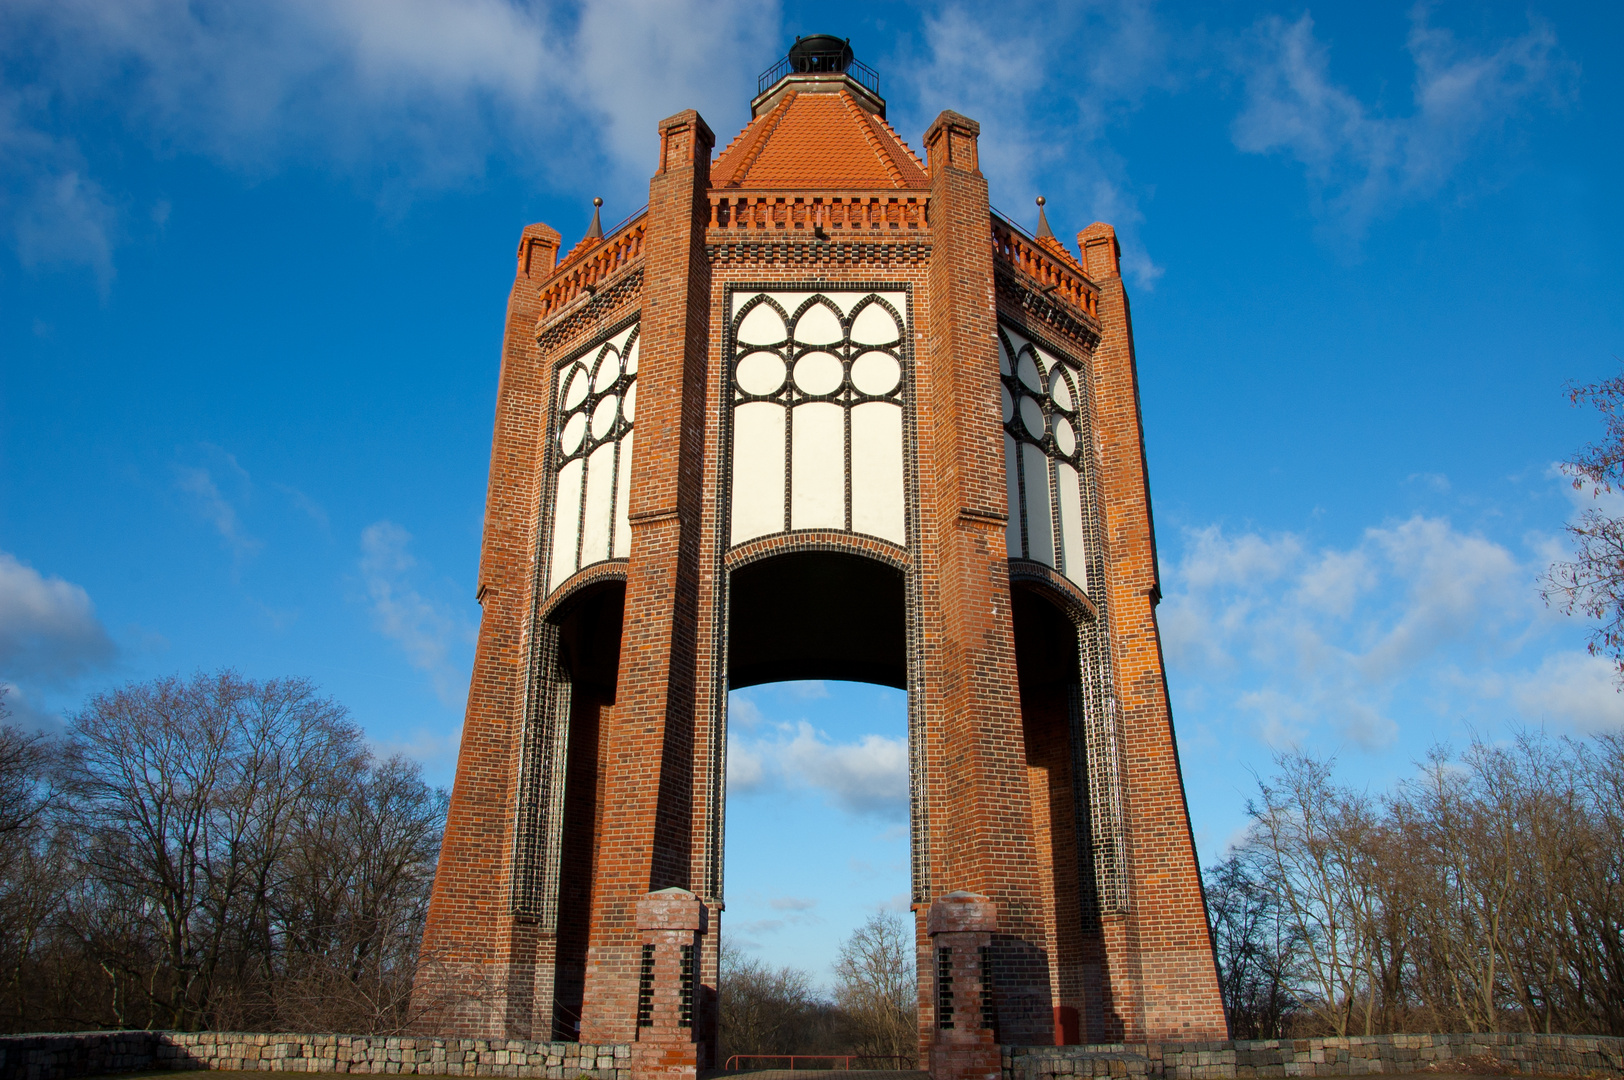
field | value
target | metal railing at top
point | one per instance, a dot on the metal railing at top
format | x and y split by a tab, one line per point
1013	224
900	1063
860	72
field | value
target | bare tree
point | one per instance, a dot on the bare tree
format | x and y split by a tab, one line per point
875	988
1256	946
766	1010
211	852
189	788
1593	582
33	880
352	903
1313	835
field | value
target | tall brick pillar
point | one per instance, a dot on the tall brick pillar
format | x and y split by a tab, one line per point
670	924
649	734
978	806
964	1044
480	962
1162	971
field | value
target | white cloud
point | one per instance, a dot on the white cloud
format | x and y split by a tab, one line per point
49	631
403	95
746	771
424	631
1045	86
435	750
1574	689
792	903
1361	162
867	777
18	709
1583	495
213	506
308	506
55	214
1301	641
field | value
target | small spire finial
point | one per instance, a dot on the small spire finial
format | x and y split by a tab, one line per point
595	230
1044	232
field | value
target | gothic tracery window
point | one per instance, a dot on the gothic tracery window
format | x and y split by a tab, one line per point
817	384
597	404
1044	437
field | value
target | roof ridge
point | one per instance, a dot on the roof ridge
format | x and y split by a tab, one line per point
915	158
769	125
869	136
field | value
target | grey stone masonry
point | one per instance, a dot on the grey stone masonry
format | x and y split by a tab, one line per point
59	1057
1358	1055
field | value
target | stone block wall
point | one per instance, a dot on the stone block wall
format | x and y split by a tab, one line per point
1530	1055
60	1057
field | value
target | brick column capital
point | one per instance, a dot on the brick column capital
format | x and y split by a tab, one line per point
962	912
538	251
1102	255
685	139
671	909
951	143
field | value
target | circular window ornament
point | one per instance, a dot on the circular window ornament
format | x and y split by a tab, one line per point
1032	416
1028	372
575	387
569	440
1064	437
608	371
818	373
760	373
1060	389
875	372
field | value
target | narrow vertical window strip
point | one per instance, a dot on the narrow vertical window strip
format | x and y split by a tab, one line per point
589	508
989	1010
944	989
645	989
685	1017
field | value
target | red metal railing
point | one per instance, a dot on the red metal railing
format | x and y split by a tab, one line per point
901	1063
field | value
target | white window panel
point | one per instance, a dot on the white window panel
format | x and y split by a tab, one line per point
831	367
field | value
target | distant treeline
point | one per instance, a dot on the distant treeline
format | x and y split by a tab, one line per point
210	853
872	1011
228	854
1485	894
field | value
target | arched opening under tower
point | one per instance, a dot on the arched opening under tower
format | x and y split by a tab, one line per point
1050	677
817	615
589	628
817	825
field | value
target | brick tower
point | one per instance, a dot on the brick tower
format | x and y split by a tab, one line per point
819	412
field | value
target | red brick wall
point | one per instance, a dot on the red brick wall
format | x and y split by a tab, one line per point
648	737
1165	936
995	813
475	954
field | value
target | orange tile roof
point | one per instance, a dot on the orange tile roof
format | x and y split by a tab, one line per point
818	140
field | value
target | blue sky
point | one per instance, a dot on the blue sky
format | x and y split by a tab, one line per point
254	258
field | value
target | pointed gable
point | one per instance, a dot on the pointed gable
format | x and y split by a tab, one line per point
818	140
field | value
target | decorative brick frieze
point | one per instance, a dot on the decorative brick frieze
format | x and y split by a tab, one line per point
588	317
876	255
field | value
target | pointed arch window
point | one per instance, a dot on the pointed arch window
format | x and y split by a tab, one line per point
818	381
592	455
1045	443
